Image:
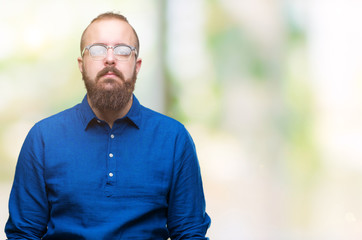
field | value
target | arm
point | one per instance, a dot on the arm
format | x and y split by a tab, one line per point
28	204
187	218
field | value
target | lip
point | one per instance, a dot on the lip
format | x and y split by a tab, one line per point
110	74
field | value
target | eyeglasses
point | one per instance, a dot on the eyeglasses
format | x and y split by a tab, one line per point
121	52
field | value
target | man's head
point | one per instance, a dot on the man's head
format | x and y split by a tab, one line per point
109	62
110	15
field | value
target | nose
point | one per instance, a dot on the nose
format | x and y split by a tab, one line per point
110	59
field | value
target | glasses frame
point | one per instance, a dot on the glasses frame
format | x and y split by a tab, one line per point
133	49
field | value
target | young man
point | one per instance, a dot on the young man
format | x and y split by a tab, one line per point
108	168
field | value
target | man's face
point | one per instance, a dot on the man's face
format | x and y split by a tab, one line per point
109	82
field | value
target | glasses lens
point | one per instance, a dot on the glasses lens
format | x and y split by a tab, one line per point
98	51
122	52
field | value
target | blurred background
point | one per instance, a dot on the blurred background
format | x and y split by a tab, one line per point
269	90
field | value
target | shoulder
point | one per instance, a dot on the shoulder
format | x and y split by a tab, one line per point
56	121
40	131
165	127
161	121
66	114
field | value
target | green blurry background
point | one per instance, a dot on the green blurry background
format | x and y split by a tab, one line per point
269	89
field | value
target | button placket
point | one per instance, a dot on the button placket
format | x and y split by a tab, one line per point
111	161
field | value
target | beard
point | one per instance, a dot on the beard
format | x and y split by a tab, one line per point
111	99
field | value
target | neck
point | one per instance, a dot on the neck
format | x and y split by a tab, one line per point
110	116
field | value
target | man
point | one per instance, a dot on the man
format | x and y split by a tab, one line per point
108	168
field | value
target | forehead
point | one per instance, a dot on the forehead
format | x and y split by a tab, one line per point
109	31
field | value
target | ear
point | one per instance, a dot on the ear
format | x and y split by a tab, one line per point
80	64
138	64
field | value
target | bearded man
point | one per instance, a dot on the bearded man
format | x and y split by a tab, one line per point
108	168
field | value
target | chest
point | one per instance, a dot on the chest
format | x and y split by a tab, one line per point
113	164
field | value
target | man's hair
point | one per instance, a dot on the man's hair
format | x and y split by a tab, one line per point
110	15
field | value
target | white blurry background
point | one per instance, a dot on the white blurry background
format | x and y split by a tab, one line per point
269	89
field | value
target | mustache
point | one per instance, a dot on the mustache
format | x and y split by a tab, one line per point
106	70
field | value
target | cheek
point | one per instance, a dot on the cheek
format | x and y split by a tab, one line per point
92	68
128	71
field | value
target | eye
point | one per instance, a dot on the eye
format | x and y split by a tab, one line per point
97	50
122	50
